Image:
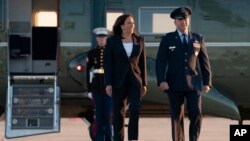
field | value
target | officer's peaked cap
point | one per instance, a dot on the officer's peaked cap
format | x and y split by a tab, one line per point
180	13
101	31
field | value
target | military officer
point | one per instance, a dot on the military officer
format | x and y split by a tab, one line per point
183	71
95	84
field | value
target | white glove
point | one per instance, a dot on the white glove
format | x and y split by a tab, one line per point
90	95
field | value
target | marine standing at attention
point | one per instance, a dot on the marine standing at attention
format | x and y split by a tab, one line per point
102	101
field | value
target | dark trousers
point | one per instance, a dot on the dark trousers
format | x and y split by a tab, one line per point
103	113
132	93
176	101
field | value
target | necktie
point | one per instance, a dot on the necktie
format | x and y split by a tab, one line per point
184	41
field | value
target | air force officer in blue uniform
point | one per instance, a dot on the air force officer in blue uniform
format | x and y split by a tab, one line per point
183	72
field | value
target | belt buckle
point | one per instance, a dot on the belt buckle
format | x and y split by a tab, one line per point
101	70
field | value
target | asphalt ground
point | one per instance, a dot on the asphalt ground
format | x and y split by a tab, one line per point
150	129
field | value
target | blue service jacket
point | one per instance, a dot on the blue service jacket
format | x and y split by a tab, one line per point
183	68
118	65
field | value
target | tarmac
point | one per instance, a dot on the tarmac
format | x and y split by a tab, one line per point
150	129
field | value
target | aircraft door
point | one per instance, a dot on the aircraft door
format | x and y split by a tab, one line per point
33	36
44	49
44	36
19	24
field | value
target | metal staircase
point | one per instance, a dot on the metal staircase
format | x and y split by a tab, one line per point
33	103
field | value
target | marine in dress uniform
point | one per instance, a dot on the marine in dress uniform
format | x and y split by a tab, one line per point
183	71
95	84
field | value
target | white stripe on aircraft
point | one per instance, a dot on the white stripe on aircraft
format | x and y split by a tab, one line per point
150	44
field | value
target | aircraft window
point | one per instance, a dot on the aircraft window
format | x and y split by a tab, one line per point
155	20
46	19
111	17
1	14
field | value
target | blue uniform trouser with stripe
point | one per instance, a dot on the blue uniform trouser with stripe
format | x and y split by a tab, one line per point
103	113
